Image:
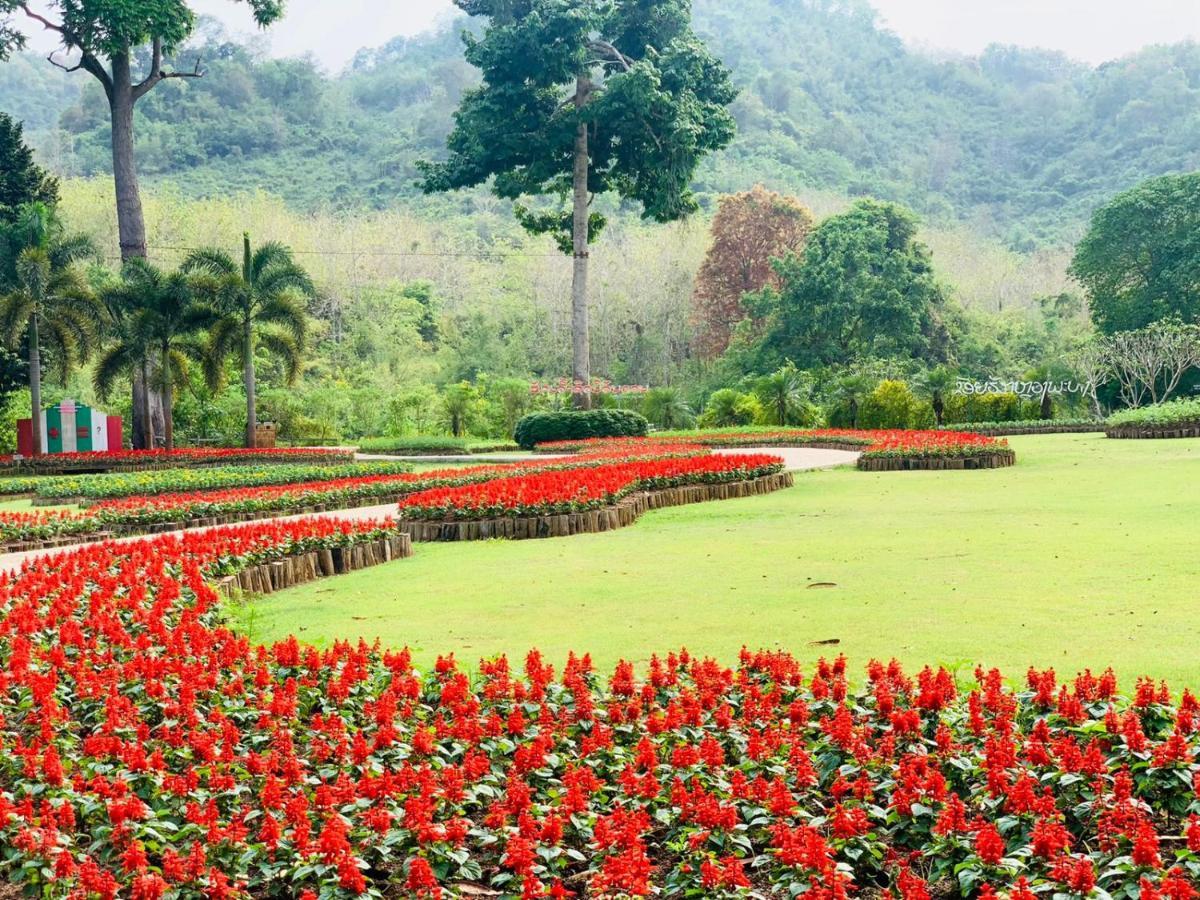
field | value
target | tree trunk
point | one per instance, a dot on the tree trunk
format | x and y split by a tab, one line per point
580	337
939	407
168	398
131	223
147	411
35	385
248	380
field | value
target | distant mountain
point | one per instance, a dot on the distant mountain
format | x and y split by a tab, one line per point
1016	143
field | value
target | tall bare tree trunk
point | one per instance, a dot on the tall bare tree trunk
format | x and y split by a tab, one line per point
248	380
580	337
35	385
131	226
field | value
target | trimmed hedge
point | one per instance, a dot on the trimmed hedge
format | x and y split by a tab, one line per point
543	427
1183	413
1029	426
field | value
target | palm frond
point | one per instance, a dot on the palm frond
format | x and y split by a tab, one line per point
286	313
16	309
210	261
286	348
119	359
267	256
280	280
71	249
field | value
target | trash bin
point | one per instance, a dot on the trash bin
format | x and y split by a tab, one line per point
264	435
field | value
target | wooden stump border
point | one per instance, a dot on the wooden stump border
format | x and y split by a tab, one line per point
594	521
998	460
280	574
1143	432
1096	428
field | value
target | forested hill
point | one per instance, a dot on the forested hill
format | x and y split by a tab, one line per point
1018	143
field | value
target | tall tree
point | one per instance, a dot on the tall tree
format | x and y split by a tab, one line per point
22	181
157	316
749	230
864	286
124	45
1140	259
582	98
260	302
51	305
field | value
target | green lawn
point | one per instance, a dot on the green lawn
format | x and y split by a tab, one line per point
1084	554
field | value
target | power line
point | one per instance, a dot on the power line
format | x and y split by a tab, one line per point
456	254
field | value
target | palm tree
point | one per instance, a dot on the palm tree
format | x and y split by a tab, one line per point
852	388
51	304
784	394
667	408
156	317
261	304
937	384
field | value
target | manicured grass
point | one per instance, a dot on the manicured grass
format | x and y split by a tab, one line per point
1083	554
24	504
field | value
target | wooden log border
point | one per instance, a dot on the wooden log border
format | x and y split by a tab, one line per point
998	460
291	571
609	518
1011	432
1143	432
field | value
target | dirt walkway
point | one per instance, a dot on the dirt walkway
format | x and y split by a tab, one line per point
796	460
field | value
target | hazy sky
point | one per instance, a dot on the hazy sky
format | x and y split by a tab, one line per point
1092	30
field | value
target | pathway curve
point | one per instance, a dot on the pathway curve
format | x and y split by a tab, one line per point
796	460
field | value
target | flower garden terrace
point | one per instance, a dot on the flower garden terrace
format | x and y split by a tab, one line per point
169	510
151	752
880	450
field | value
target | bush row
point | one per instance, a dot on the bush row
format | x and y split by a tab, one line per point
1185	411
540	428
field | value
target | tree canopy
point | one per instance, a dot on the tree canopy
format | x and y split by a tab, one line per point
22	181
654	101
1140	260
749	230
1022	144
863	286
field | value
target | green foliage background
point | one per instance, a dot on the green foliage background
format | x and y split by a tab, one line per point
1021	144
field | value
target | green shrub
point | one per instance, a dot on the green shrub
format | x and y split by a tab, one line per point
1025	424
728	408
1185	411
543	427
995	407
666	408
890	405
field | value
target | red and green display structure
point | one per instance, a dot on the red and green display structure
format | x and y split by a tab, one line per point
70	427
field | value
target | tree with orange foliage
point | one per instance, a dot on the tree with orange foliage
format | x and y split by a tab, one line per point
749	230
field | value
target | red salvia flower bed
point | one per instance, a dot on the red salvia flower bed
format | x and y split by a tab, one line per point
871	442
146	751
578	489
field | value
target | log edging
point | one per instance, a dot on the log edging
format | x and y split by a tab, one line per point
594	521
1143	432
279	574
998	460
1014	432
